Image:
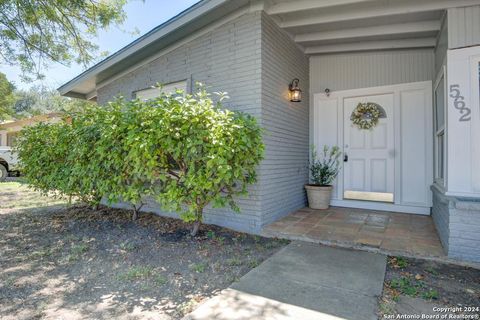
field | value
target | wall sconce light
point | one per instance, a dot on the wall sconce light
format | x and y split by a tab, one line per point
327	92
295	92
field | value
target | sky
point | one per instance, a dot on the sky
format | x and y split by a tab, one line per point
141	15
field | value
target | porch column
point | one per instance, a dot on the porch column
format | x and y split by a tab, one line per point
456	200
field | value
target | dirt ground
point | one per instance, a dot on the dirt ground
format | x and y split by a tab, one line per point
414	286
70	262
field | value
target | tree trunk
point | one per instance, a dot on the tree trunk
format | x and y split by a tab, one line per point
196	226
96	202
135	214
136	211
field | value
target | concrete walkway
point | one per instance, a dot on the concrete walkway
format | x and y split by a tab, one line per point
303	281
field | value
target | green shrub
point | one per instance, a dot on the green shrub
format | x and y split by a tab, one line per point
44	151
325	169
187	152
106	131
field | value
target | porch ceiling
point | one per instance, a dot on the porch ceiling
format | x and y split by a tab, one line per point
328	26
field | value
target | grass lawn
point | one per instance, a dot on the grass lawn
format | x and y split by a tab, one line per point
17	195
70	262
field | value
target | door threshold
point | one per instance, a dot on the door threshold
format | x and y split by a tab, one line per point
381	206
369	196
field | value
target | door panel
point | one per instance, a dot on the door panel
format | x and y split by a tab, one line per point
357	174
370	165
379	175
357	140
379	137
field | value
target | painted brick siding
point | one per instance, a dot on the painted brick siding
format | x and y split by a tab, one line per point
225	59
440	215
253	60
284	172
457	222
464	242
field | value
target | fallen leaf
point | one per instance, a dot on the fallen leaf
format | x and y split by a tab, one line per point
419	277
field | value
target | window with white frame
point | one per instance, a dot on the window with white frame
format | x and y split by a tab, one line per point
439	127
170	88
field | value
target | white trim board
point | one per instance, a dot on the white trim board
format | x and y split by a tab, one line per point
375	90
367	12
372	45
381	206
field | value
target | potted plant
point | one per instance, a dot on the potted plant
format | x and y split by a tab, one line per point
323	171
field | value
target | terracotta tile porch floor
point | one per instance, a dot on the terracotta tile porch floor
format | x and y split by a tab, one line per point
387	232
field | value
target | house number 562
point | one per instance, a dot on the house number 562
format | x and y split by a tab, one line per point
459	103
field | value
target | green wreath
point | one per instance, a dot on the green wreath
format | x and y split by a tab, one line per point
366	115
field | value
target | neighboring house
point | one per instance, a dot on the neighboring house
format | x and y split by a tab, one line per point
9	130
418	60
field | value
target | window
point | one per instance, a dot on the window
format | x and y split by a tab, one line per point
439	127
11	137
152	93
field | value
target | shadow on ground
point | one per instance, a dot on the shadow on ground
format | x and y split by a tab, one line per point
76	263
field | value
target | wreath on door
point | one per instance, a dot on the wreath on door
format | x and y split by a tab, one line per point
366	115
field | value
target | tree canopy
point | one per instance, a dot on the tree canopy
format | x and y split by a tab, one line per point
7	97
34	33
42	100
17	104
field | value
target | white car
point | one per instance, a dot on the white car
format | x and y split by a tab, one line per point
8	162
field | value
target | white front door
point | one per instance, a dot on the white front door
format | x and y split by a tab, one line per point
369	170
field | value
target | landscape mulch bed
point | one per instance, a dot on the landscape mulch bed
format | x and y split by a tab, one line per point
417	286
76	263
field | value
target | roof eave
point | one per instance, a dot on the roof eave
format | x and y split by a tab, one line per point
194	12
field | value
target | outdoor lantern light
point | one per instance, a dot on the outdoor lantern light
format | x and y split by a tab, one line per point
295	92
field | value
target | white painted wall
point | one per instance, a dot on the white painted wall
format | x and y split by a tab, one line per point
413	142
344	71
463	26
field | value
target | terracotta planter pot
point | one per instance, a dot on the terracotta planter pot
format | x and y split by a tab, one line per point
319	196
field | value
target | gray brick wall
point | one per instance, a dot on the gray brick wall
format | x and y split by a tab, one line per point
284	172
464	240
458	225
254	61
225	59
440	215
